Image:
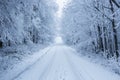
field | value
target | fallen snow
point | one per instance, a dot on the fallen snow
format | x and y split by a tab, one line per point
59	63
20	66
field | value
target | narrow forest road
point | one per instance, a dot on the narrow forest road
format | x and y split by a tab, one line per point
61	63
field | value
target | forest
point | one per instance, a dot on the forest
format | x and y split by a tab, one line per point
24	22
32	31
93	25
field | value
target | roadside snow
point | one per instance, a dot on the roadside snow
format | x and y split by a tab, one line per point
109	64
59	62
15	65
90	70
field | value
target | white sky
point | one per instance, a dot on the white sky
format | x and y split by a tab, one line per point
61	4
58	40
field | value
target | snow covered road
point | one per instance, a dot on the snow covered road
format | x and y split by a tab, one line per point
61	63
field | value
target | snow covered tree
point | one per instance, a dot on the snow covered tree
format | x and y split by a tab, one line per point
25	21
93	25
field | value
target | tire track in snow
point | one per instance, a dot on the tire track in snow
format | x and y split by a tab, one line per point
79	76
51	68
47	68
60	68
59	71
27	68
79	73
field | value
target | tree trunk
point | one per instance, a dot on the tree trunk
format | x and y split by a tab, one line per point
1	44
115	2
100	41
114	31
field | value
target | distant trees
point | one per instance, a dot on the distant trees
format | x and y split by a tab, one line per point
94	24
26	21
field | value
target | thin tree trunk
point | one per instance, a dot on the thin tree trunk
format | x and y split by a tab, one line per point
1	44
114	31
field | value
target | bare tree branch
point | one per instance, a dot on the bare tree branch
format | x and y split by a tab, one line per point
115	2
103	13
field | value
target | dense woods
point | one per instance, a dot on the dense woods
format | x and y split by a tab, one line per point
94	25
25	22
60	39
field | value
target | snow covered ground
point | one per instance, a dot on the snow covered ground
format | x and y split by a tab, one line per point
59	62
109	64
18	58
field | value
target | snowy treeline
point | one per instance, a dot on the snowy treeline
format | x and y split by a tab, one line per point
93	25
26	21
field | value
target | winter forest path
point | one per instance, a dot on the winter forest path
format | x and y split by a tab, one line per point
61	63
